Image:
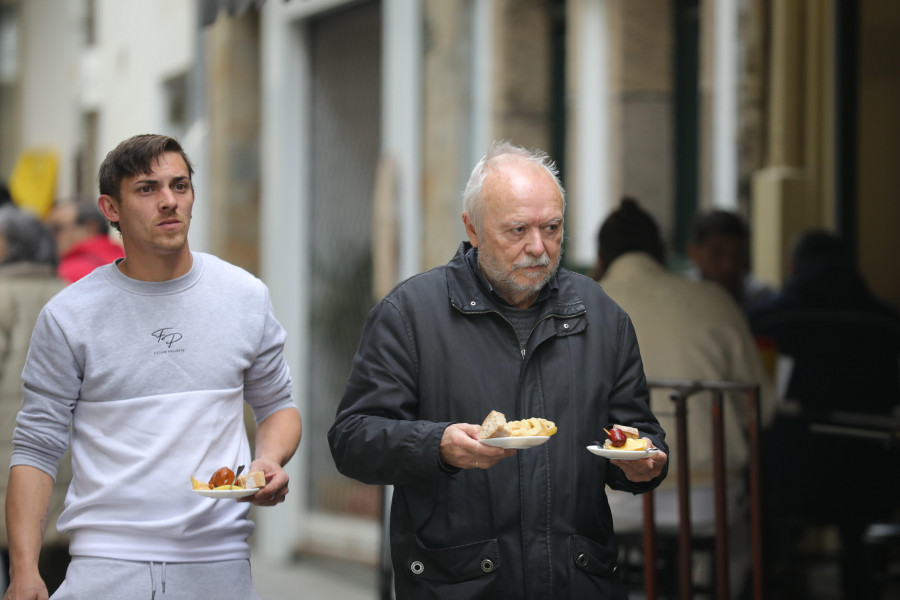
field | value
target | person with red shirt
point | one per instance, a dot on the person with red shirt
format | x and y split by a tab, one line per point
82	239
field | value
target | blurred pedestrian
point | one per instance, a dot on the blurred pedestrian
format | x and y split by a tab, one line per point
5	196
500	327
27	281
719	248
687	330
148	363
82	238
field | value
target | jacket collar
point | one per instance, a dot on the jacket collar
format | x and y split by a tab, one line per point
470	292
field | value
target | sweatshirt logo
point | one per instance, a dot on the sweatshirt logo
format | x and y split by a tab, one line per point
167	336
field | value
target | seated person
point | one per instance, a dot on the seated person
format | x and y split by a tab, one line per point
838	353
686	330
719	249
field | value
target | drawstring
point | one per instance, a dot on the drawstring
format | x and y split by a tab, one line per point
153	580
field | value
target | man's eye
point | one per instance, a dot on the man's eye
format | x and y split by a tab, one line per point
181	187
145	189
518	230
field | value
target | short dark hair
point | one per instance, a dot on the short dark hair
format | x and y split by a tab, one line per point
818	245
629	229
133	157
718	222
5	196
86	212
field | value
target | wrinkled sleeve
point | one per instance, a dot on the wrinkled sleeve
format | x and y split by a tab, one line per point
376	436
267	383
629	404
51	385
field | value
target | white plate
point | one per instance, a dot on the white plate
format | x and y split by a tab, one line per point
622	454
516	441
227	493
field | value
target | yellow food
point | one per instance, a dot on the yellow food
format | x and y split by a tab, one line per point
496	426
532	426
199	485
227	487
630	444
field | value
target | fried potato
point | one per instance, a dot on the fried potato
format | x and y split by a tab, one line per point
199	485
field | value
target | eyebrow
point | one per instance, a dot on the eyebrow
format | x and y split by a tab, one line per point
176	179
523	223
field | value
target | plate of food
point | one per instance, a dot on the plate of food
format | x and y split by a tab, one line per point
520	442
226	483
622	454
236	492
623	443
498	432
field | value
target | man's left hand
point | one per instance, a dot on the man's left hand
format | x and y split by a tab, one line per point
643	469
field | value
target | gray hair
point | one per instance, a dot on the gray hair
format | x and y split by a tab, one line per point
472	200
27	240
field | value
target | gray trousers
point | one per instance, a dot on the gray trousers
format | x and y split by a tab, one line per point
91	578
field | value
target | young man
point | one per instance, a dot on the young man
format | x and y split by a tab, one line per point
500	327
149	361
719	249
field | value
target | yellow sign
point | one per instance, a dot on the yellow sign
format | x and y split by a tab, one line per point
33	181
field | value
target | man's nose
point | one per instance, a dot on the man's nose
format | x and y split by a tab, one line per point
166	198
534	243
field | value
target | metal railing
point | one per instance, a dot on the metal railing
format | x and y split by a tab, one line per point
681	392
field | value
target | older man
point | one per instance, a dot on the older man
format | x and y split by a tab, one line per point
500	327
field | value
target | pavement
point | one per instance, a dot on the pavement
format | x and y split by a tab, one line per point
313	578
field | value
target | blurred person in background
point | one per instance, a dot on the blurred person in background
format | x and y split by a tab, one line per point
5	196
143	367
719	249
500	327
686	330
82	238
838	350
27	281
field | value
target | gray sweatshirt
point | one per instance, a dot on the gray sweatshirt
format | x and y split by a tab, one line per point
150	379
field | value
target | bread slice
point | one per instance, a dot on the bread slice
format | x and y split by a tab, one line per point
630	432
254	479
494	426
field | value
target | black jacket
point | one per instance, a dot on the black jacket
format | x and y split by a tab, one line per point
436	351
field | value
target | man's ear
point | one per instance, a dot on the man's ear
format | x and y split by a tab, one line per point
470	229
109	207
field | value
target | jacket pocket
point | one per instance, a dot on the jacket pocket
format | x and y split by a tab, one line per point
593	558
458	563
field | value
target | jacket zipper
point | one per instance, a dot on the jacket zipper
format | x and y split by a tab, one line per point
522	347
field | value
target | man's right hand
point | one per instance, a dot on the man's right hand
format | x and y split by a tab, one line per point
460	448
27	588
